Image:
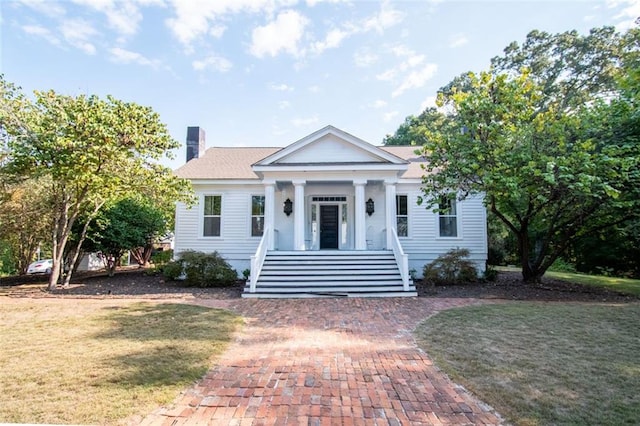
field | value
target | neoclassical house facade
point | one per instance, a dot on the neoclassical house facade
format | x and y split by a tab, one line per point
327	215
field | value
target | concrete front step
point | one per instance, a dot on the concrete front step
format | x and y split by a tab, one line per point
330	274
259	295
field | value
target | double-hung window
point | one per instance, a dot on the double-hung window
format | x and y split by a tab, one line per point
257	215
212	213
402	216
448	217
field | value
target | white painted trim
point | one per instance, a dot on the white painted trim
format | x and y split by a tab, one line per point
459	235
329	130
255	181
360	220
264	217
330	167
299	215
269	212
201	216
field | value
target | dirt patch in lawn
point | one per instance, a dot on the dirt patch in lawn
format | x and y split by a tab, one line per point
134	282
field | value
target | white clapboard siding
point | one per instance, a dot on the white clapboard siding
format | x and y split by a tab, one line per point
423	245
235	243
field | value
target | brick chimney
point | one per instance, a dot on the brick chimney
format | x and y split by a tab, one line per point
195	142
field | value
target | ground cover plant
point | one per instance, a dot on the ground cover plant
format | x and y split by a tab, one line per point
96	361
543	363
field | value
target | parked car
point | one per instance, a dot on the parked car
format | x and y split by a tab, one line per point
40	267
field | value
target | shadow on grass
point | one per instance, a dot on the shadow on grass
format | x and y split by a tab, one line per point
164	344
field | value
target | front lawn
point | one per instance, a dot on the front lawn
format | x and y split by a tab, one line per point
543	363
622	285
91	361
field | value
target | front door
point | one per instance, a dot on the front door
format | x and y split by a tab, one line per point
329	226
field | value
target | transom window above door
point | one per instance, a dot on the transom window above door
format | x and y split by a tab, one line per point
336	199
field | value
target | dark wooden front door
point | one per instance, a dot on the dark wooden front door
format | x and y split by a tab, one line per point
329	227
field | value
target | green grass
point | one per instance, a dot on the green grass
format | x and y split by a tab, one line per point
543	363
622	285
102	361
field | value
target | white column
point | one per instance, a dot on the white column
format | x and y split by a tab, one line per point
298	215
390	210
269	212
361	226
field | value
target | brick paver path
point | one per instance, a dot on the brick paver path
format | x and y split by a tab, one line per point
327	362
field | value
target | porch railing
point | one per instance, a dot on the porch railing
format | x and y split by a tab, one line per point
257	260
401	258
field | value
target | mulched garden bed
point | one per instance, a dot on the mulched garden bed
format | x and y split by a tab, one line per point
136	283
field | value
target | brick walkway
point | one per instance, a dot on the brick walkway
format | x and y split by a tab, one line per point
327	362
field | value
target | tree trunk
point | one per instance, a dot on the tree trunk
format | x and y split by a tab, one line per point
111	265
142	255
530	274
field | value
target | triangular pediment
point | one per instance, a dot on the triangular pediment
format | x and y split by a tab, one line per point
330	145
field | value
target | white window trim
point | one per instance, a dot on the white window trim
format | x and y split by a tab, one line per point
458	223
249	225
409	214
201	217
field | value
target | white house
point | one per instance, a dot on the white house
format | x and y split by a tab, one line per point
329	214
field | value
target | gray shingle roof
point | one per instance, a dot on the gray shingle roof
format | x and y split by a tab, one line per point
230	163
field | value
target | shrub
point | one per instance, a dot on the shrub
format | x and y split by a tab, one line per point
201	270
161	258
561	265
172	270
453	267
490	274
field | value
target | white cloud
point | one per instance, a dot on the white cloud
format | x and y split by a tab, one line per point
284	104
416	79
402	50
217	31
78	32
364	59
388	116
314	89
379	103
124	56
50	8
332	40
303	122
282	34
388	75
458	40
195	19
215	63
628	15
386	18
122	15
39	31
429	102
312	3
282	87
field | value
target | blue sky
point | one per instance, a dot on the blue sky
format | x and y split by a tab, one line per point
268	72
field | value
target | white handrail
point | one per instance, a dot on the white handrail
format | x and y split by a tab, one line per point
257	260
401	259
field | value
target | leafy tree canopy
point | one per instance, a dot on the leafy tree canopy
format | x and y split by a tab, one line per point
130	223
549	135
92	151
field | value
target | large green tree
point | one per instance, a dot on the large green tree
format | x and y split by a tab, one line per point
24	221
545	135
128	224
91	151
